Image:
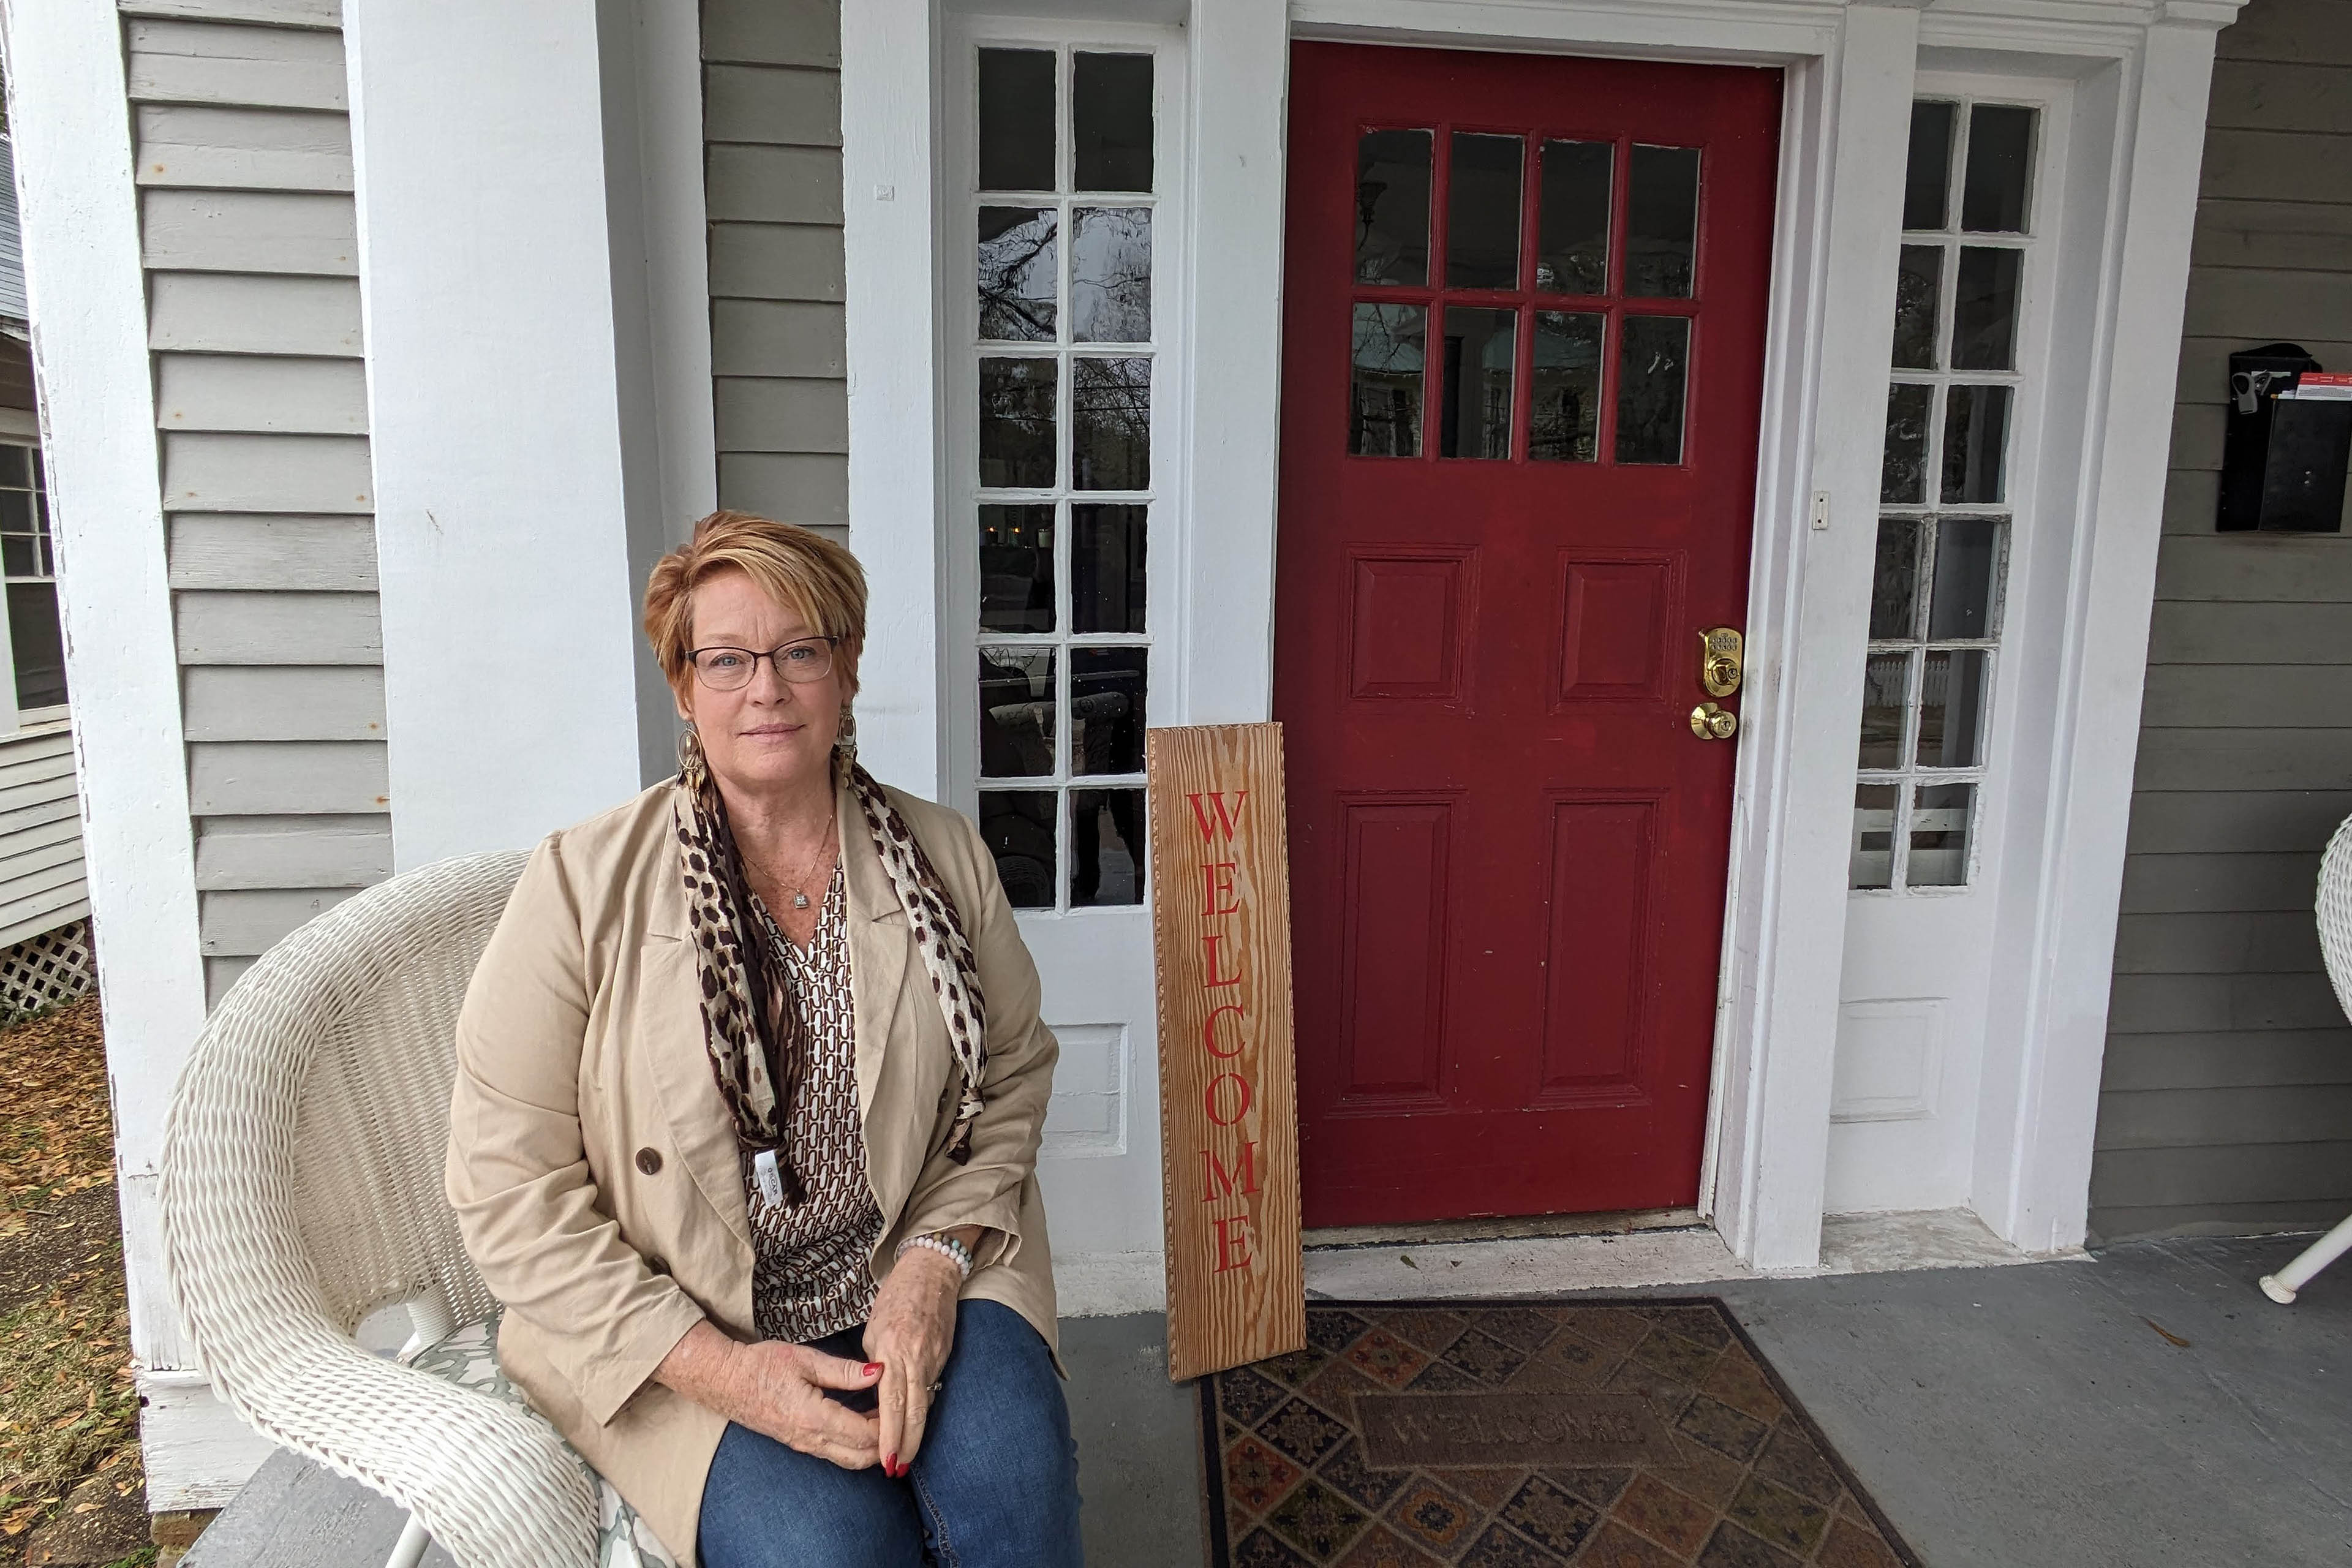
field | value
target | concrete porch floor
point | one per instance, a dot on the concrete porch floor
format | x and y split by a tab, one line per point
2142	1407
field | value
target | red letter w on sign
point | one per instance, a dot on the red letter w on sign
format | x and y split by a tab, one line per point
1227	820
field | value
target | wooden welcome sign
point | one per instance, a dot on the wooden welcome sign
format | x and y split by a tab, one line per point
1228	1098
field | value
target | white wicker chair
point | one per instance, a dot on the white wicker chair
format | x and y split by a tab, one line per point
301	1191
2334	909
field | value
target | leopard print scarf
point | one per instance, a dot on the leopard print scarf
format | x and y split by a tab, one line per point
757	1051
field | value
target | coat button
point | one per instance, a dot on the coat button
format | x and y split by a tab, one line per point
649	1161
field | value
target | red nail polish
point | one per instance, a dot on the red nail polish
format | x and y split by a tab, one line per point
872	1369
890	1467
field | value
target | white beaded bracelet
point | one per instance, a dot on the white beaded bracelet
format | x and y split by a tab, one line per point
947	1246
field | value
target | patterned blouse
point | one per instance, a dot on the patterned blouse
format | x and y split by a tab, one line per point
809	1273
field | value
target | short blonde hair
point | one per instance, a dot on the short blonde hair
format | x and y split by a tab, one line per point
797	567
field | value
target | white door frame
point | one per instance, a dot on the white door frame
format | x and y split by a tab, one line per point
1844	131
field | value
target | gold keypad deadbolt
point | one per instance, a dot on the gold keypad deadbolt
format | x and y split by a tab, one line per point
1710	722
1721	651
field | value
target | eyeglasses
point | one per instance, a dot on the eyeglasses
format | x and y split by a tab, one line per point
732	668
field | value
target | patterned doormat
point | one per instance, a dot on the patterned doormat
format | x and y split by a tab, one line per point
1525	1434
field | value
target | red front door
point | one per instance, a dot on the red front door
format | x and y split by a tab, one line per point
1523	355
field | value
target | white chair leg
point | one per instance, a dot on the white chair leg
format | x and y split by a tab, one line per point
2282	1286
410	1548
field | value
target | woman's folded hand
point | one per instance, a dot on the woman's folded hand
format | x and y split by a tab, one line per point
910	1333
779	1391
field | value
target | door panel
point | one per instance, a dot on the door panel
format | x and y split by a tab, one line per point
1524	330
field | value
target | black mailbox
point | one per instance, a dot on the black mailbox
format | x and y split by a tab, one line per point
2285	445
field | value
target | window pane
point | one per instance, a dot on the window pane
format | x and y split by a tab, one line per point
1110	121
1566	425
1873	861
15	471
1903	472
1480	349
1107	561
1387	348
1894	581
38	643
1939	837
1106	846
1393	207
1928	175
1018	826
1951	708
1017	423
1482	213
1017	119
1111	275
1572	234
1918	285
20	555
1110	419
1976	434
1016	568
1016	712
1652	360
1661	221
1968	579
1107	709
2000	163
1885	698
1984	309
1018	274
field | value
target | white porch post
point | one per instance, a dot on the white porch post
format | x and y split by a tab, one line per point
503	432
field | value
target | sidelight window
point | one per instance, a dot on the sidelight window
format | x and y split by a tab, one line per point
1946	502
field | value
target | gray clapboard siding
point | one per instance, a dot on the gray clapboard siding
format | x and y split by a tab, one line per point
2266	1173
775	184
287	778
777	261
802	487
2202	633
248	393
283	702
810	415
278	628
2252	305
2231	821
40	813
2180	1004
203	312
2184	1118
220	973
2226	757
2272	569
781	105
241	924
778	337
2191	884
249	231
235	550
2274	95
2230	1060
212	471
2224	943
2246	696
288	12
177	61
204	147
773	32
293	851
2205	362
42	883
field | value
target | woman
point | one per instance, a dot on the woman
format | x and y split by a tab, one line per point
750	1083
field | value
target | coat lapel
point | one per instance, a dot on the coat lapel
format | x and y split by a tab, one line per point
669	1037
879	938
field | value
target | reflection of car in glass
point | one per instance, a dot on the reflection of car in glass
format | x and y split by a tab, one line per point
1016	709
1019	829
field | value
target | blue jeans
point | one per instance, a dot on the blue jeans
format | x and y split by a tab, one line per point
996	1485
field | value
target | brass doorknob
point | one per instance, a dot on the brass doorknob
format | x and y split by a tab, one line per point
1711	722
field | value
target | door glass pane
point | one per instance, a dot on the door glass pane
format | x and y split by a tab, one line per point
1939	837
1871	864
1016	712
1111	423
1016	568
1106	848
1976	432
1017	423
1918	285
1393	207
1651	362
1018	828
1482	213
1660	222
1107	561
1017	119
1107	709
1968	579
1984	309
1572	234
1994	191
39	642
1903	472
1894	581
1480	349
1885	698
1386	349
1019	274
1566	419
1110	122
1927	175
1111	275
14	472
1951	708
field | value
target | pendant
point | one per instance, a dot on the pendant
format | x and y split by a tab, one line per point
800	900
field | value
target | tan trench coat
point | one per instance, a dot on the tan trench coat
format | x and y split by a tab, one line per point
593	1164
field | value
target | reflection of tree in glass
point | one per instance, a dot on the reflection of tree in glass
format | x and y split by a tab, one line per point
1387	349
1017	274
1110	410
1017	423
1111	275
